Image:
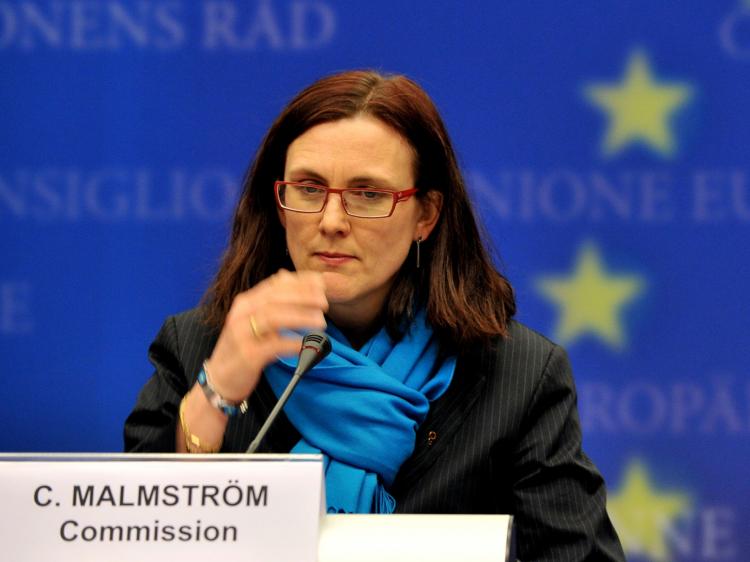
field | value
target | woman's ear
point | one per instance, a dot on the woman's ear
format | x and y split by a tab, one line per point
282	216
431	205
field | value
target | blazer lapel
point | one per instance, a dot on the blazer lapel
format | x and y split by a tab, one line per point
445	417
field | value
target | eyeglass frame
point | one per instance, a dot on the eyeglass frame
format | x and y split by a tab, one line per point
396	196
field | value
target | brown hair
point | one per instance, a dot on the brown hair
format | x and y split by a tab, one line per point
465	296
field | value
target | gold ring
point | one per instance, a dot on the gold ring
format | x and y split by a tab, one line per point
254	327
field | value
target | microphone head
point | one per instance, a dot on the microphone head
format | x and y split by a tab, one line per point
315	346
319	341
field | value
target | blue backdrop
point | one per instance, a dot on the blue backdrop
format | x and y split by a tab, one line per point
606	147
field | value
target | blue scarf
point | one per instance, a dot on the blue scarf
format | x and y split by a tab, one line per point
361	409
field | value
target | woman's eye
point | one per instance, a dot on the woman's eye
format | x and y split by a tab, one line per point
310	189
370	195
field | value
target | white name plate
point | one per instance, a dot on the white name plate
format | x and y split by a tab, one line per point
160	507
413	538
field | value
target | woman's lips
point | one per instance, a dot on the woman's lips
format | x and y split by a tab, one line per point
333	258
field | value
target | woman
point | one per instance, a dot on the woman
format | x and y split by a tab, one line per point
354	218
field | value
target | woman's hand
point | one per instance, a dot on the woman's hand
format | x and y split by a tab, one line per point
251	336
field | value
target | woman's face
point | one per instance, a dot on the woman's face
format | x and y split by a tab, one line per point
359	257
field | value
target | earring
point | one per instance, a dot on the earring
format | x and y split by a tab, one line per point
419	241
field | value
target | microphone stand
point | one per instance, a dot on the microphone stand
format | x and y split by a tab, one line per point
275	412
315	346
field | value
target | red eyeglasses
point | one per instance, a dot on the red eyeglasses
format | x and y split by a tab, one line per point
362	202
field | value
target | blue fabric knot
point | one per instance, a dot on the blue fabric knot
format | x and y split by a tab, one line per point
361	410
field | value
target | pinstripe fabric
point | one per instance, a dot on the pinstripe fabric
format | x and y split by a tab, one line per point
504	438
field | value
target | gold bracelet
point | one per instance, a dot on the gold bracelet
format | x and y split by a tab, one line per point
193	443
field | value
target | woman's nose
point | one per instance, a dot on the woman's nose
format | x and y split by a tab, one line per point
333	218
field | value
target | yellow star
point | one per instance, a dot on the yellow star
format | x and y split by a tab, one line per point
590	300
641	513
639	108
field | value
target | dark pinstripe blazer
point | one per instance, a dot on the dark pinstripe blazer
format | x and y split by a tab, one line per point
504	438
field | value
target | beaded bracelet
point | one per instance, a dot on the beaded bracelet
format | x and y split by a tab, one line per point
215	399
193	443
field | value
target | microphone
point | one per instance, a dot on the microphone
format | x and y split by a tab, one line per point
315	346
